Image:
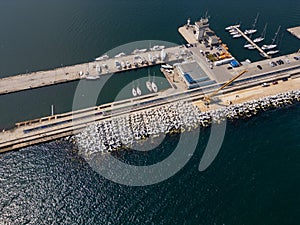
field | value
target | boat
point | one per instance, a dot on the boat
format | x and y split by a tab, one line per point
157	48
262	36
134	93
248	45
237	36
138	91
148	83
137	51
163	55
153	85
104	57
151	58
251	47
272	45
252	31
98	69
91	77
273	52
234	33
120	55
232	27
167	66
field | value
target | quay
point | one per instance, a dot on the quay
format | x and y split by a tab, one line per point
85	71
198	69
262	52
295	31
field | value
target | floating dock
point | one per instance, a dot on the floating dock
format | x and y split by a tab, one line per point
295	31
262	52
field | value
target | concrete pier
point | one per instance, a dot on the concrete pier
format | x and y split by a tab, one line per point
81	71
295	31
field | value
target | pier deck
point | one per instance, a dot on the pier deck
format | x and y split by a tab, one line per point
263	53
295	31
71	73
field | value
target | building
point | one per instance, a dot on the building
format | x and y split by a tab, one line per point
204	33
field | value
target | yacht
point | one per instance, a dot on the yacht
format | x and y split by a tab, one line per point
252	31
101	58
153	85
167	66
237	36
262	36
138	91
273	52
248	45
133	91
232	27
148	83
157	48
98	69
163	55
120	55
137	51
272	45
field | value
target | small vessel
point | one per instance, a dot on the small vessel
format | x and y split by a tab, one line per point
104	57
137	51
272	45
167	66
98	69
134	93
262	36
237	36
138	91
251	47
252	31
273	52
157	48
163	55
151	58
120	55
248	45
148	83
232	27
153	85
234	33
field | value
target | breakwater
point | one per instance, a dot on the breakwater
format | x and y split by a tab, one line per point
126	131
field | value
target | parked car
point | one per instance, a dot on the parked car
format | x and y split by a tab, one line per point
265	85
275	82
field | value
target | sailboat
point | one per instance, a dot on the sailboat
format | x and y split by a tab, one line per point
153	85
272	45
133	91
272	52
148	83
252	31
262	36
138	90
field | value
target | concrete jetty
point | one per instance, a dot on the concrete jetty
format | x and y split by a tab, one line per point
295	31
85	70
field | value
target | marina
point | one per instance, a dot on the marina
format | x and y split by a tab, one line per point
204	77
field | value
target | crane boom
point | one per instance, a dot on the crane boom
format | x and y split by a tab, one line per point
224	85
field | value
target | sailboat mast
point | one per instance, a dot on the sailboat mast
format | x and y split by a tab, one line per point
274	39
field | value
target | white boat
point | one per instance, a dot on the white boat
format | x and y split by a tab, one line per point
273	52
133	91
120	55
272	45
247	45
104	57
163	55
237	36
137	51
252	31
148	83
138	91
90	77
149	86
157	48
167	66
262	36
98	69
232	27
151	58
154	87
251	47
234	33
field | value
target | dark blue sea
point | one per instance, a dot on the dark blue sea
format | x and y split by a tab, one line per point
255	178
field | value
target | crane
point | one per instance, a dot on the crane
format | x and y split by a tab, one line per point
208	98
